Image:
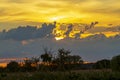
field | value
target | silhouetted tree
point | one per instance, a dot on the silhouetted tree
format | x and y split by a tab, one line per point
28	65
46	59
115	63
75	59
102	64
2	69
62	58
35	61
13	66
46	56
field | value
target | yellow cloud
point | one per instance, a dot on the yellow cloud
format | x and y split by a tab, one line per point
86	11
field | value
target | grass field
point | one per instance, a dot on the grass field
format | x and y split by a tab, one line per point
74	75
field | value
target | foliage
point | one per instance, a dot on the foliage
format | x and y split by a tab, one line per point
102	64
115	63
74	59
62	58
80	75
2	69
63	61
28	65
13	66
47	55
35	62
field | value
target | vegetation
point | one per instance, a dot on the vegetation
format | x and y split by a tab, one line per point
102	64
13	66
46	56
63	66
115	63
81	75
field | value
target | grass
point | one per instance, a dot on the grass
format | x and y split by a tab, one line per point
74	75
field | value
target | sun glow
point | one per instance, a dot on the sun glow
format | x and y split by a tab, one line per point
56	18
59	38
3	64
85	35
110	34
62	31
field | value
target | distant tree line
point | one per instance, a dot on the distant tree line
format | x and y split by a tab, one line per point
63	61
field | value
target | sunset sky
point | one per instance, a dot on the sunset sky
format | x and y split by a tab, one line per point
24	12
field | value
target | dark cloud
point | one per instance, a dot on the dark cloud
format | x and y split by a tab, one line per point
70	27
113	28
86	28
46	31
28	32
96	37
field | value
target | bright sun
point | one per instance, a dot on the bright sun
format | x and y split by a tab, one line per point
56	18
59	38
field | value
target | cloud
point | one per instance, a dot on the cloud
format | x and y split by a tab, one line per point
28	32
24	33
5	12
72	10
90	50
24	42
74	1
70	28
17	1
2	11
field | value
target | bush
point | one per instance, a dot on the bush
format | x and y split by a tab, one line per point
13	66
115	63
102	64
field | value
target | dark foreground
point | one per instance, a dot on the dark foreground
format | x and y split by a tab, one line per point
74	75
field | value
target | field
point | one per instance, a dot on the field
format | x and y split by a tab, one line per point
71	75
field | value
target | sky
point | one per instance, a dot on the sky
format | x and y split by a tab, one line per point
101	41
32	12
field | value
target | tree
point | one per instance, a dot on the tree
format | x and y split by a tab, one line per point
13	66
75	59
102	64
46	59
115	63
35	61
46	56
28	65
62	58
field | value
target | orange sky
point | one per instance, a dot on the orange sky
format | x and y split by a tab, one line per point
23	12
3	64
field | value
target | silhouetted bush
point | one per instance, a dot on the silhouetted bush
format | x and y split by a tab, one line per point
102	64
13	66
115	63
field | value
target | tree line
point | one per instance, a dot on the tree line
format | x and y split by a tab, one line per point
63	61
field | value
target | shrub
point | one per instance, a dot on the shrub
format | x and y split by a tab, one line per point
115	63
